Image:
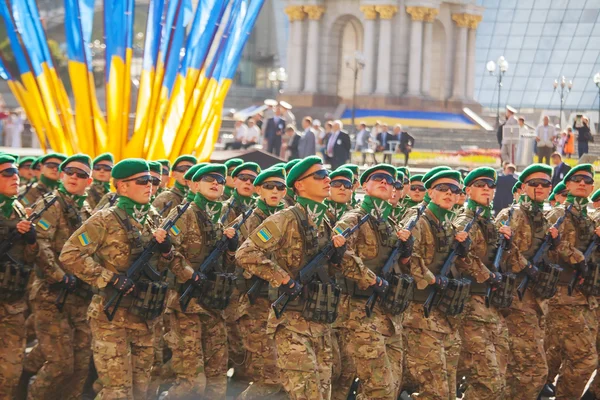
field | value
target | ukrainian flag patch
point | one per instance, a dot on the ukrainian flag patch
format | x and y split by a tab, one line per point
84	239
338	230
45	225
175	230
264	235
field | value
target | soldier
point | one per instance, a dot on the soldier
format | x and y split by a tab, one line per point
572	325
411	212
341	194
231	165
373	342
99	253
166	167
37	168
517	191
355	171
527	367
275	252
25	172
107	201
48	180
484	354
416	191
397	199
171	198
260	358
433	344
63	336
15	270
241	198
559	195
102	166
290	197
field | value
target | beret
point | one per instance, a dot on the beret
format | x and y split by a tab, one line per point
155	167
595	196
290	164
405	171
273	172
516	186
13	155
278	165
128	167
249	166
48	156
220	169
342	172
434	171
300	168
379	167
165	163
104	157
445	173
551	198
481	172
185	157
189	174
80	158
36	163
561	187
233	162
535	168
28	159
352	167
416	178
579	168
5	158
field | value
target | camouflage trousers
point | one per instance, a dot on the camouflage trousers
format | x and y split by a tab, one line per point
432	361
527	366
123	359
161	370
199	361
571	342
595	385
12	346
235	347
344	371
64	345
305	363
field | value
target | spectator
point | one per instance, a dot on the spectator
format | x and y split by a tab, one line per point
569	148
544	134
584	135
293	141
560	169
318	130
324	138
375	131
338	146
510	120
362	137
273	131
308	143
406	142
239	135
252	134
503	197
13	128
384	137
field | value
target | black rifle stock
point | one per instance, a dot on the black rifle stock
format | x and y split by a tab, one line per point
503	245
165	208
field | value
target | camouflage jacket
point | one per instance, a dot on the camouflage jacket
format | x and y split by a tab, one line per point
34	194
95	193
108	200
172	197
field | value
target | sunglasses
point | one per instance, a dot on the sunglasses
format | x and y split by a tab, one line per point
141	180
25	166
103	167
481	183
398	185
578	178
545	183
246	177
52	165
165	172
417	188
317	175
379	177
9	172
406	182
341	183
210	178
182	168
155	181
280	186
81	174
564	193
444	187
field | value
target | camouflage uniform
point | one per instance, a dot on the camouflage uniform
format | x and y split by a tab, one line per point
595	385
108	200
432	344
303	347
38	190
95	192
13	307
63	337
572	324
123	348
175	196
527	367
485	349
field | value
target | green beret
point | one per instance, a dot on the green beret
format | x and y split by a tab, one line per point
36	163
165	163
352	167
434	171
534	168
561	187
342	172
185	157
278	165
128	167
300	168
379	167
13	155
551	198
404	171
104	157
233	163
444	173
481	172
28	159
249	166
273	172
48	156
516	187
80	158
189	174
595	196
220	169
416	178
5	158
579	168
291	164
155	167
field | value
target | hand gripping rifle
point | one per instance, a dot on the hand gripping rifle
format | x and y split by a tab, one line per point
539	255
436	292
502	247
588	253
386	271
209	262
315	268
140	265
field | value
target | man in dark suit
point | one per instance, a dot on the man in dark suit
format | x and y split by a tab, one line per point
560	169
338	146
273	132
406	142
504	185
384	137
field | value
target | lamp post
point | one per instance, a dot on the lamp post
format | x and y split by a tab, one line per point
502	66
597	82
563	85
355	64
278	77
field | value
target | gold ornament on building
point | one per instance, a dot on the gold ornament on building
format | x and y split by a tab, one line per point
386	12
369	12
467	20
314	12
431	14
295	13
419	13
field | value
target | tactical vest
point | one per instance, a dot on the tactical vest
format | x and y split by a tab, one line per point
538	233
490	235
71	214
243	284
93	192
14	274
210	235
584	234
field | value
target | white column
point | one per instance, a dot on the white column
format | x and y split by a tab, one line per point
474	21
369	49
384	61
460	54
427	48
312	48
295	47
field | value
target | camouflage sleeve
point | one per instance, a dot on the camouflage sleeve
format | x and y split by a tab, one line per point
471	264
180	265
568	237
424	243
46	230
77	254
513	258
254	255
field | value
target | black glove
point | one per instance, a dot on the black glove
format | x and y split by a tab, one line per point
30	236
463	248
198	278
232	244
555	242
582	267
69	282
495	278
337	255
122	283
165	246
292	288
380	286
441	282
407	248
532	271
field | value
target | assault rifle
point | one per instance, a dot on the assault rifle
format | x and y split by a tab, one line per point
315	268
141	267
588	253
503	246
165	207
27	189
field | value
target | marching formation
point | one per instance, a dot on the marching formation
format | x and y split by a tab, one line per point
283	274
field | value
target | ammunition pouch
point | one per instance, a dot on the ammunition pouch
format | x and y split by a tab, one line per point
148	299
452	301
13	281
321	302
545	285
399	294
501	295
591	282
215	292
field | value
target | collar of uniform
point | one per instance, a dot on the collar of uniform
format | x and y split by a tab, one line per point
182	189
337	209
76	198
473	206
443	216
6	205
244	201
378	208
527	203
49	183
228	192
315	210
104	185
579	204
135	210
267	209
211	208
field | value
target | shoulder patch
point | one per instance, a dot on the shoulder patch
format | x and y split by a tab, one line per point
338	230
45	225
84	239
175	230
264	234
